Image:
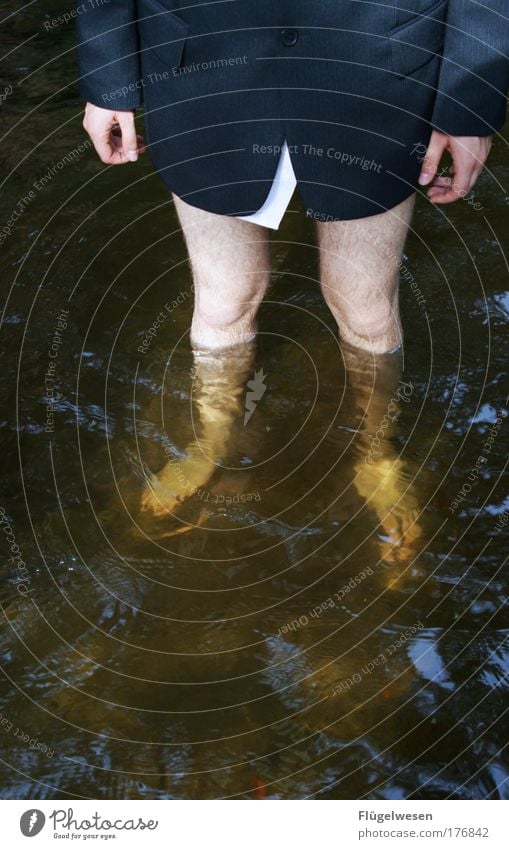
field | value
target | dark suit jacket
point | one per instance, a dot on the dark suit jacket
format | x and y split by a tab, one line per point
355	86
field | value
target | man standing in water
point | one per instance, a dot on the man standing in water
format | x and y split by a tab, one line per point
354	102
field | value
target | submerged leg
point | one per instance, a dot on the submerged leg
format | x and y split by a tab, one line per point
218	392
381	476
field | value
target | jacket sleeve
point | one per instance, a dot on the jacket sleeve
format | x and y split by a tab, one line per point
474	75
108	59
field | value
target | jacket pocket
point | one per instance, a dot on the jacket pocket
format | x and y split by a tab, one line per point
418	41
161	31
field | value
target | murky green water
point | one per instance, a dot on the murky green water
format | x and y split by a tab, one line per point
279	645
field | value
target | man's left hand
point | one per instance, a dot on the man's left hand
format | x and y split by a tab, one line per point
468	153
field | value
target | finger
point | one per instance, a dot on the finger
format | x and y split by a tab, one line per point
116	146
461	171
443	182
478	169
129	138
438	194
435	149
141	144
103	146
480	162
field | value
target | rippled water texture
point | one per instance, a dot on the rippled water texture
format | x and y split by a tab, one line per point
314	619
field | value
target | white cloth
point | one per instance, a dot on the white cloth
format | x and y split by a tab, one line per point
280	194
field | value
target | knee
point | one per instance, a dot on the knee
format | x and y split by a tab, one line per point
372	318
371	324
220	315
373	327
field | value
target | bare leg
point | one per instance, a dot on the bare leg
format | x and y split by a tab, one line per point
359	264
359	272
230	262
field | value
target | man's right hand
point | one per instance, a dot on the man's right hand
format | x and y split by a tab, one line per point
113	134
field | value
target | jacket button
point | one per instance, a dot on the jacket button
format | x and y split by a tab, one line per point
289	37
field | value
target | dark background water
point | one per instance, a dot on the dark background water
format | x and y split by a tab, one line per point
192	666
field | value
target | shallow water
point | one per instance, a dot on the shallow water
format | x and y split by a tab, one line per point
282	646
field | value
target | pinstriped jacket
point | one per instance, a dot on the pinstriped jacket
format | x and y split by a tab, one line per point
346	82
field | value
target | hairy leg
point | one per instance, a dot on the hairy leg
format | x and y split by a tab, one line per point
359	272
230	262
359	267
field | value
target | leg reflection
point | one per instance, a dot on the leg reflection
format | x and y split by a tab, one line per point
220	378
